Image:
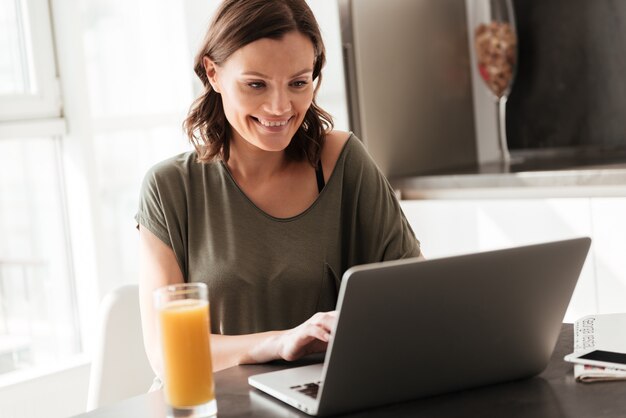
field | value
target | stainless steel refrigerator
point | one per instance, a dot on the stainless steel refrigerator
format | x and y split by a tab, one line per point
409	83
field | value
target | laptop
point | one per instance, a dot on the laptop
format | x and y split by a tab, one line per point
414	328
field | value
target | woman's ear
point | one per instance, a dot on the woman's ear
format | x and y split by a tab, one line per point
210	68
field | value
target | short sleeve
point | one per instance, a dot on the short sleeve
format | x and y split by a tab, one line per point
163	206
150	212
383	231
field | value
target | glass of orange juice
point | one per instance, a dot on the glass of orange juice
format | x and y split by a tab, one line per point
183	323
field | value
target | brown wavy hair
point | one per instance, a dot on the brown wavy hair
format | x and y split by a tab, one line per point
236	24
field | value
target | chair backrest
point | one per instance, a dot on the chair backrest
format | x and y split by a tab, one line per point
120	367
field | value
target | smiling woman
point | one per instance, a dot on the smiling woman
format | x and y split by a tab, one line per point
250	71
273	205
266	110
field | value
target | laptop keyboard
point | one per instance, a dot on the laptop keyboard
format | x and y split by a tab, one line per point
309	389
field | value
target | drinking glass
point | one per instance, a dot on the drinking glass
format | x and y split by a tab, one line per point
495	44
183	328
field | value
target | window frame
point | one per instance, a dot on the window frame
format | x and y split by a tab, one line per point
45	103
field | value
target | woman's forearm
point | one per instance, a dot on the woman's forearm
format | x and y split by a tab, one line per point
232	350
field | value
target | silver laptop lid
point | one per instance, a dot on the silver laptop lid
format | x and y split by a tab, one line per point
410	329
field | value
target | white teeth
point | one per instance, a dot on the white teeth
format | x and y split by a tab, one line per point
272	123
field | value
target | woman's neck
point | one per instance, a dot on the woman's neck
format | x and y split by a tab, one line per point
248	162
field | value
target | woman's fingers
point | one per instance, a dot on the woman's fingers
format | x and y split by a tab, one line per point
324	320
317	331
321	325
310	337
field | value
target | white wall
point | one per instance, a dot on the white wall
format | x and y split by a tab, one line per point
450	227
58	394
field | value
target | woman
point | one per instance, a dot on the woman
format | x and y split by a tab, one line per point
273	205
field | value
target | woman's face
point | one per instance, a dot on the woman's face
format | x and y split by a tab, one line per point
266	88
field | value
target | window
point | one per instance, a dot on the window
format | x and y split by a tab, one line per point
139	82
14	78
28	82
38	318
38	322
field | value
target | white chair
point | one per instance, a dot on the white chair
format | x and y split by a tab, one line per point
120	367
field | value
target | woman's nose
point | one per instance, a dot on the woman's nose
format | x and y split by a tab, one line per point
279	102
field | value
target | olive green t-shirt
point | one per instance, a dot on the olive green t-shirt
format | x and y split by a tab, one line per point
266	273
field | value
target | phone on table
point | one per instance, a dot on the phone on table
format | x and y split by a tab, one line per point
599	358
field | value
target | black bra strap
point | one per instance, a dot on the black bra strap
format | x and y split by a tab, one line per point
319	173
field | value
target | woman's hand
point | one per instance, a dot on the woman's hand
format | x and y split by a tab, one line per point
309	337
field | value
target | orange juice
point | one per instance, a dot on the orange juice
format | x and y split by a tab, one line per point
186	352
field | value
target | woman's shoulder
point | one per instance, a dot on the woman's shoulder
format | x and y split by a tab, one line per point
334	144
335	140
173	163
352	155
179	166
180	173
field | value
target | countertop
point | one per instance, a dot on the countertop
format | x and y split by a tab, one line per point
540	178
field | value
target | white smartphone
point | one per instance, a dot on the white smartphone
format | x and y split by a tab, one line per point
599	358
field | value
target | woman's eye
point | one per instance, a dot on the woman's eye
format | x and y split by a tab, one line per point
300	83
256	85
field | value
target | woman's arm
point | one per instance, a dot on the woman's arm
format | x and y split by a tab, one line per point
310	337
158	267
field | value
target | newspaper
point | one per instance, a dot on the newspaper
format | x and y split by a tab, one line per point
605	332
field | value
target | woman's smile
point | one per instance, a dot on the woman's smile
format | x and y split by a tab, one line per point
273	125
